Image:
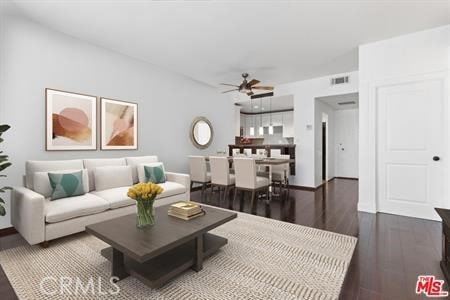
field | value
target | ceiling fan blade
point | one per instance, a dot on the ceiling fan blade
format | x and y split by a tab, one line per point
230	91
268	88
253	82
229	84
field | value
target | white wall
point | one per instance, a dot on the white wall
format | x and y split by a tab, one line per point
402	59
304	93
346	137
33	58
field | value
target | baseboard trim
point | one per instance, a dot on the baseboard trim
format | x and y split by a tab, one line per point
304	188
7	231
367	207
349	178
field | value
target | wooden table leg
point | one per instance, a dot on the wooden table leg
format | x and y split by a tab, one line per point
198	258
118	266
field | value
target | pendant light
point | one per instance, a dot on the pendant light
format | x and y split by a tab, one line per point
252	128
270	117
261	129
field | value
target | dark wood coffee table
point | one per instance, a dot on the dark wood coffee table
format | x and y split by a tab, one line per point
158	253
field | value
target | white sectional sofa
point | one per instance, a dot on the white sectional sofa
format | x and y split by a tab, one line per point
39	220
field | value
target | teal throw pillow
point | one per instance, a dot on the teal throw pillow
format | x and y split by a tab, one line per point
66	184
155	173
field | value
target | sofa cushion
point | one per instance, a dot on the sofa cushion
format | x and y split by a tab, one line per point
112	177
146	173
139	160
33	166
91	164
66	184
42	183
170	189
116	197
68	208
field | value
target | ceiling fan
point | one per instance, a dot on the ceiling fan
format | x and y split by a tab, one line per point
247	87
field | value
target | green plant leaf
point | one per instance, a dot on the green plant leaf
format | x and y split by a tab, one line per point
1	140
3	158
5	165
2	210
4	128
2	201
5	188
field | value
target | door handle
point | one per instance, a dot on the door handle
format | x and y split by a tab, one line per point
436	158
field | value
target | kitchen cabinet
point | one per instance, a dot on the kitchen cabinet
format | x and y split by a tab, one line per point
288	124
246	122
285	119
277	119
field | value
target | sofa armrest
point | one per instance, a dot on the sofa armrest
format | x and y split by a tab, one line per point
183	179
28	214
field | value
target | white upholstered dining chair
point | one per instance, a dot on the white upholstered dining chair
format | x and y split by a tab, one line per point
220	176
247	180
199	172
280	174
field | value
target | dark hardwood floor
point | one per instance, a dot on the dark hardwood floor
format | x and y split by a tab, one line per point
391	251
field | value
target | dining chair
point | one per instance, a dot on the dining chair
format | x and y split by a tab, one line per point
199	172
248	152
247	180
280	174
275	152
221	177
261	152
236	152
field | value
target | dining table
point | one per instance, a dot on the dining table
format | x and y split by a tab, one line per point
265	162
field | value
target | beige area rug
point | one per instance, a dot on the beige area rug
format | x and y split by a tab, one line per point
264	259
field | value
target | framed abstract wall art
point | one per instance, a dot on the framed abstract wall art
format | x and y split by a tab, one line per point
119	120
71	121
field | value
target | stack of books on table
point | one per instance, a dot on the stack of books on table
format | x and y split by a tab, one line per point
186	210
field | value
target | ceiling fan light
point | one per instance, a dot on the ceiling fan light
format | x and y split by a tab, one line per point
252	130
261	130
271	129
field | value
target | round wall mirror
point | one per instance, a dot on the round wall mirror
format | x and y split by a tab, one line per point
201	132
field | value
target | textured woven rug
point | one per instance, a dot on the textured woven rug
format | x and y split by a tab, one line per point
264	259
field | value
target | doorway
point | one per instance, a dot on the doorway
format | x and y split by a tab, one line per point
324	151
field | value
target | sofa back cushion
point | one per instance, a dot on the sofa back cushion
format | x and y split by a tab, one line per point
134	162
112	177
42	182
33	166
91	164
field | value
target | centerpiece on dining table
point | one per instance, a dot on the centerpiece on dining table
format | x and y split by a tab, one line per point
145	194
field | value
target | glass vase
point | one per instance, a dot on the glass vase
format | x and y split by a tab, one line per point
145	212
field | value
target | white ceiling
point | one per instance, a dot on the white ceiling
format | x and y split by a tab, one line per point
334	101
215	41
263	104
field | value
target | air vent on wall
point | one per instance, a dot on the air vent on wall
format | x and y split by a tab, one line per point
339	80
347	103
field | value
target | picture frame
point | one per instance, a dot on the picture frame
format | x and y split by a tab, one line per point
71	121
118	125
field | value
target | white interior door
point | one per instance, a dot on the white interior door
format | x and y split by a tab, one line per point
410	134
346	139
